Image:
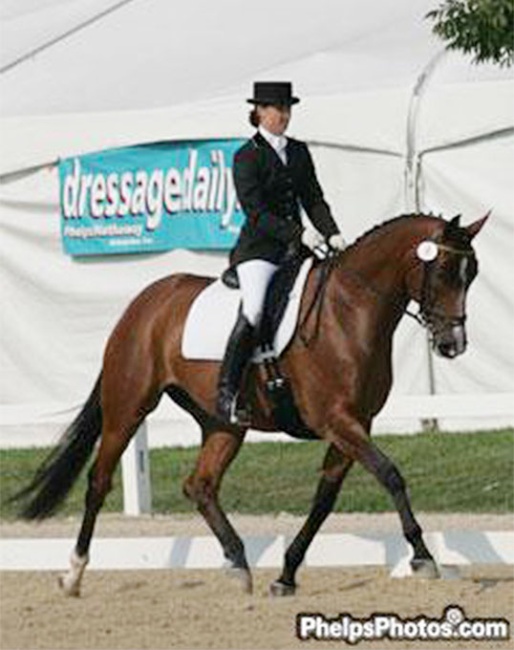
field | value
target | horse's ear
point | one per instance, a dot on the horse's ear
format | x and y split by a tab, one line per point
452	225
474	228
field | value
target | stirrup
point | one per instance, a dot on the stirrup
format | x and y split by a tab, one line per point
242	415
232	415
226	408
237	414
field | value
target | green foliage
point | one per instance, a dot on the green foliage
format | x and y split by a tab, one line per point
483	28
445	472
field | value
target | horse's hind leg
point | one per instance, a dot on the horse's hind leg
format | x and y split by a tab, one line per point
112	446
335	469
124	406
218	450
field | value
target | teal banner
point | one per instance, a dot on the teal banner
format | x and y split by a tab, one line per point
150	198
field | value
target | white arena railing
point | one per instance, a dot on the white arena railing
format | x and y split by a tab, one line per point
40	426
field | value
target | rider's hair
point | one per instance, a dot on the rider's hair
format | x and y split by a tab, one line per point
254	118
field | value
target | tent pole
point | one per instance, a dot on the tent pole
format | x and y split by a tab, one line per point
413	192
28	56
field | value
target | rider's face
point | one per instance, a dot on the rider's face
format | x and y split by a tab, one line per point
275	119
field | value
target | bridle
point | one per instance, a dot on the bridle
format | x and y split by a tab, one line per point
429	316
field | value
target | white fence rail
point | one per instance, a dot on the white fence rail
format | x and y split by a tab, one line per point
38	427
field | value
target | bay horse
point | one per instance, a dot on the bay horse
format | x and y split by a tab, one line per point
340	379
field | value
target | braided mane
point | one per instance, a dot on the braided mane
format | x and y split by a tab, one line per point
378	227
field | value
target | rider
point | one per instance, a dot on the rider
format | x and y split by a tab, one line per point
273	176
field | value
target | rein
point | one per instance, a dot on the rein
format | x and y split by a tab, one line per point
381	296
423	316
326	268
319	294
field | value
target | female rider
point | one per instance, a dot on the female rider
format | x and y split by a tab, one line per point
273	177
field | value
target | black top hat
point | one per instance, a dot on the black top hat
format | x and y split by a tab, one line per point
273	92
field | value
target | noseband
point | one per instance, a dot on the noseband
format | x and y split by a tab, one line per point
432	317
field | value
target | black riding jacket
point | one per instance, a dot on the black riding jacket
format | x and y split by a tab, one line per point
270	194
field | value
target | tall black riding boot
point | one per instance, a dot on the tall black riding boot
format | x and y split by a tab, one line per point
237	355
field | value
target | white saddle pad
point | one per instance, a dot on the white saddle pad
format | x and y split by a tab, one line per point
214	312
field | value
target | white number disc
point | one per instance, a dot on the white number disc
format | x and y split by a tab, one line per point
427	251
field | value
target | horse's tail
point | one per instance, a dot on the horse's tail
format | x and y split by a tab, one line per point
58	473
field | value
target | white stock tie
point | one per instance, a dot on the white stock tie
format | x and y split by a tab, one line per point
281	149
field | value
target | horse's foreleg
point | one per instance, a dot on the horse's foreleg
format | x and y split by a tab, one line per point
218	450
351	438
335	468
422	563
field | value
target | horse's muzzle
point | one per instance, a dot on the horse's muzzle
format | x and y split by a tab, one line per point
450	342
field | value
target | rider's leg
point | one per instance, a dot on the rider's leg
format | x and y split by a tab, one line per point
254	278
238	351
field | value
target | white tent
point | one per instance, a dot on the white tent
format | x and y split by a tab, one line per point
394	123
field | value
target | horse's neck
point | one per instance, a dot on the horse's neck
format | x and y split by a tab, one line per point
383	253
380	261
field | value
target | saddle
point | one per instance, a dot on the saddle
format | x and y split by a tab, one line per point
278	325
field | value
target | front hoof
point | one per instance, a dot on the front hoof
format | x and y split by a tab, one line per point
243	576
424	568
278	588
69	586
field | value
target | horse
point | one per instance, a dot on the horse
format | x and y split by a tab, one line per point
340	378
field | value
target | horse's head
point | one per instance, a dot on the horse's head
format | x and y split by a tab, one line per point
446	267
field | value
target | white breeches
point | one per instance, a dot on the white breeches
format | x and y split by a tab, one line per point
254	278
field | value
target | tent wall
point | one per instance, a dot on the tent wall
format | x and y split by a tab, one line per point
60	311
468	179
393	125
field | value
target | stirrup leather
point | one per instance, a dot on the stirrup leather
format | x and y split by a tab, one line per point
281	399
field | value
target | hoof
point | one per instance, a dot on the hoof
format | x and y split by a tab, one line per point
70	582
69	586
278	588
243	576
425	568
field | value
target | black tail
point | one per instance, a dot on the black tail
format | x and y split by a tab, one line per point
58	473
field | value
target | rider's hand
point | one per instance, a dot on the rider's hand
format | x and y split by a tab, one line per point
337	242
312	238
316	242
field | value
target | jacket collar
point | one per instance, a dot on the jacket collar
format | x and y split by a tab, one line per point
278	142
260	140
